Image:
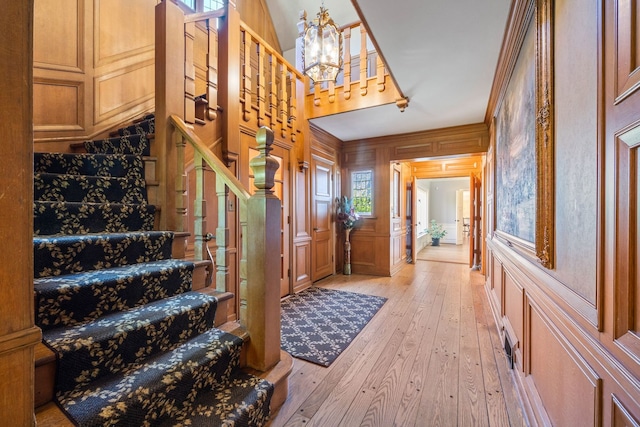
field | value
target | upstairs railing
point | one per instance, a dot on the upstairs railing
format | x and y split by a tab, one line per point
269	87
363	82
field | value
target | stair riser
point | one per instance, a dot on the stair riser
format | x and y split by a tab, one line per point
163	387
54	256
114	343
88	189
129	144
142	127
74	218
60	307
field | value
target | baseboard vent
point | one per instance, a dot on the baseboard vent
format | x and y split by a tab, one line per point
508	351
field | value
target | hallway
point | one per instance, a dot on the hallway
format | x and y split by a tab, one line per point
458	254
431	356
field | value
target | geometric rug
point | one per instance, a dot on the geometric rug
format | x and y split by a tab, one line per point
317	324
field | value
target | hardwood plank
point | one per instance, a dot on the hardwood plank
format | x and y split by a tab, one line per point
431	356
439	403
341	408
472	403
506	390
386	402
496	406
410	402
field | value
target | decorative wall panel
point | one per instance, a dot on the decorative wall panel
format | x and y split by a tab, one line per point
122	89
568	387
360	156
578	145
621	416
627	45
363	250
123	29
68	93
627	285
63	21
302	271
514	307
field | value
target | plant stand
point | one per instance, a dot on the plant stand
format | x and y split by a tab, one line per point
346	269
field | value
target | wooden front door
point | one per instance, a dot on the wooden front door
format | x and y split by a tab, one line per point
322	247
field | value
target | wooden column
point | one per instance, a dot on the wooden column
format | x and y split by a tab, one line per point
222	238
199	210
18	335
228	92
229	79
363	60
262	318
212	71
346	34
170	57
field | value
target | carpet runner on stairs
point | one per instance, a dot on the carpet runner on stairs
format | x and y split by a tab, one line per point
134	344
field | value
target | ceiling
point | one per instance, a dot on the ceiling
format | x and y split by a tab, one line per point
442	54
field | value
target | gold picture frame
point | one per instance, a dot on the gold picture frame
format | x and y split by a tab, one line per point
524	140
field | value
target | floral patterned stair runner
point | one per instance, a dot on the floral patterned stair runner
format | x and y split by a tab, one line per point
135	345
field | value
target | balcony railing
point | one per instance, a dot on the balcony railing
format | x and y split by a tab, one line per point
363	82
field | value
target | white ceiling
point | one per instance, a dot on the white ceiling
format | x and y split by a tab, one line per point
442	53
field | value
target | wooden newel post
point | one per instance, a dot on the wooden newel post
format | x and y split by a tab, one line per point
263	260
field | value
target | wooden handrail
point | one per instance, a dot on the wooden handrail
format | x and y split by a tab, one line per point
203	16
212	160
260	40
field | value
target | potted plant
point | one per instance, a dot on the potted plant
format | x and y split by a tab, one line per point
437	232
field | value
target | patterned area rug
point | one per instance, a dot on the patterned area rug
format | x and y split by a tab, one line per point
318	324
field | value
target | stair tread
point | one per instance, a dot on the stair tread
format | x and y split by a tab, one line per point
89	188
90	164
117	272
89	236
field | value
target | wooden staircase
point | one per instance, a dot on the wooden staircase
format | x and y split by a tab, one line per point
49	413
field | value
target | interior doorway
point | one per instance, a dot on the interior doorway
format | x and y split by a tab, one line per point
444	190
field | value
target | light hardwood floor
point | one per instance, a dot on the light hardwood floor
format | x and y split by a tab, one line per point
446	253
430	357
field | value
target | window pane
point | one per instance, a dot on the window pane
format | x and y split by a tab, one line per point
362	191
190	3
212	5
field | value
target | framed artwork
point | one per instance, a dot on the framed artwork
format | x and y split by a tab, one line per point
523	132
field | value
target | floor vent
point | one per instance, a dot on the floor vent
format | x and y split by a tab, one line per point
508	351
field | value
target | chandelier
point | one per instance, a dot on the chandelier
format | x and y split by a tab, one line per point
322	53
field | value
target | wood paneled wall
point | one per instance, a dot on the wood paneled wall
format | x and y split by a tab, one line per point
378	244
573	330
93	67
